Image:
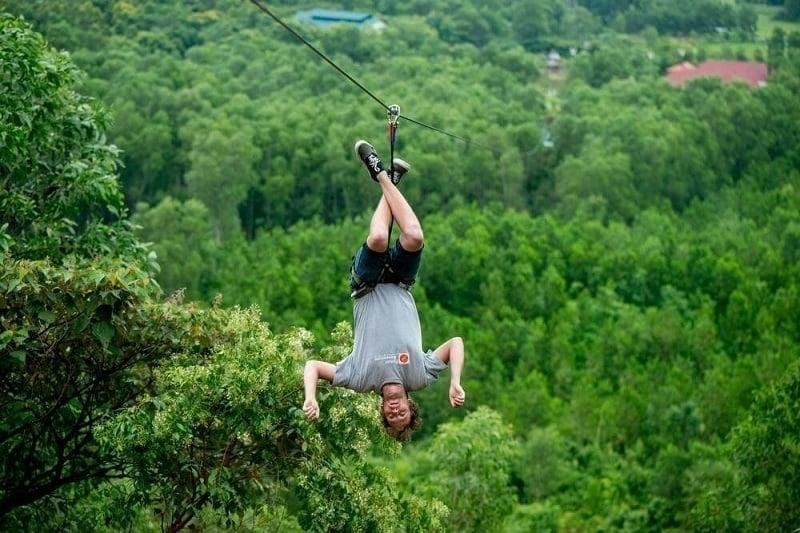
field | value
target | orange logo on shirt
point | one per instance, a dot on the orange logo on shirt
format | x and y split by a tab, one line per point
403	358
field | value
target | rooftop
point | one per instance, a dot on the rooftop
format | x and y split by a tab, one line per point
328	17
754	74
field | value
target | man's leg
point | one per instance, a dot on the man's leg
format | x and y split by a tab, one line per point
411	237
370	259
378	238
404	258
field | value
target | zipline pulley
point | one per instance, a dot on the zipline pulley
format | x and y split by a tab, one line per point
393	112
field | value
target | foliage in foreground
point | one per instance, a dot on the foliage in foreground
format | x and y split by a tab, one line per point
135	410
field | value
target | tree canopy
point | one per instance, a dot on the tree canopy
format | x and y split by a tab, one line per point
622	261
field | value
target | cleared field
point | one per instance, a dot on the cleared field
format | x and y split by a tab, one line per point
767	23
731	47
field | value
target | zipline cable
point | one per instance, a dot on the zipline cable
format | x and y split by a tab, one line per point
464	139
277	19
288	28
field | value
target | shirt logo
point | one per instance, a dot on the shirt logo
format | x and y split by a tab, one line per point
403	358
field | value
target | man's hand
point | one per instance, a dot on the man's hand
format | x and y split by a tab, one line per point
315	370
452	353
457	395
311	408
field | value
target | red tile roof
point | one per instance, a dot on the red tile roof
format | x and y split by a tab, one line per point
681	67
754	74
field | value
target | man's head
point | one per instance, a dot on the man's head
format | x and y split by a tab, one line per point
399	413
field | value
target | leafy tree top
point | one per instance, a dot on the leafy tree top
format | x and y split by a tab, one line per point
59	194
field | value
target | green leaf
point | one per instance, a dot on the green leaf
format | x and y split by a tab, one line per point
5	338
21	334
46	316
97	276
104	332
20	356
81	323
74	405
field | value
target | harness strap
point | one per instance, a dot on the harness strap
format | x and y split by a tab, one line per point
362	288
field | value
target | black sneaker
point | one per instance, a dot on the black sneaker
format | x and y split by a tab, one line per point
399	169
370	158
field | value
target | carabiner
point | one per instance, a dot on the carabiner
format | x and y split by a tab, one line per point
393	114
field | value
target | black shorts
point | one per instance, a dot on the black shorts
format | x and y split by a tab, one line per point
396	265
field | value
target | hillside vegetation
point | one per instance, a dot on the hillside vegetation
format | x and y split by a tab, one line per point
621	257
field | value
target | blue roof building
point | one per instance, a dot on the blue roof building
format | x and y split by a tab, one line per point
327	17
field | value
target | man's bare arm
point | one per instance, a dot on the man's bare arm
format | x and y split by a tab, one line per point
452	353
315	370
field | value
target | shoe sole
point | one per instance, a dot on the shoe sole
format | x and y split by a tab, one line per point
398	163
358	145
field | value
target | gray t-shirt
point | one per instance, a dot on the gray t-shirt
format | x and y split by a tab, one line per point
388	344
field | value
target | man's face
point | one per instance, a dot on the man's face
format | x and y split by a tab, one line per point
395	406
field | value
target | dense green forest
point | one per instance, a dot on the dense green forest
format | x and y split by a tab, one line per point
179	205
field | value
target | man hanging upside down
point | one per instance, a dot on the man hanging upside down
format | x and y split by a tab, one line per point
387	354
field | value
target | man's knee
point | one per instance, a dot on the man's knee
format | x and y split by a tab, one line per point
378	241
413	239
